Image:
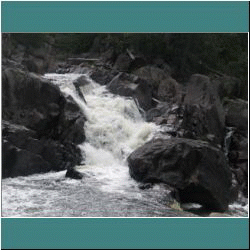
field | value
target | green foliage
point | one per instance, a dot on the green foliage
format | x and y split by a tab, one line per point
29	39
207	52
74	43
186	54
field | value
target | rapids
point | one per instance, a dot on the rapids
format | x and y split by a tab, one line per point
114	128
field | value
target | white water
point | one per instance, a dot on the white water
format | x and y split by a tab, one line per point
114	128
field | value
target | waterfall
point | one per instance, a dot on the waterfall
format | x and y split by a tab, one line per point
114	128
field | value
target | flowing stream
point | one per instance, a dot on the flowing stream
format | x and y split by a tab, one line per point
114	128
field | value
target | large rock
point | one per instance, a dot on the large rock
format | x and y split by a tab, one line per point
36	103
230	86
237	149
203	112
123	62
165	88
70	127
24	154
153	73
194	112
198	171
129	85
23	92
81	82
38	59
237	114
169	90
102	76
41	127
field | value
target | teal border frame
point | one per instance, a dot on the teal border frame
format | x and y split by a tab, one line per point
122	16
120	233
148	233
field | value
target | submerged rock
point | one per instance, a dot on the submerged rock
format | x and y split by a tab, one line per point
74	174
198	171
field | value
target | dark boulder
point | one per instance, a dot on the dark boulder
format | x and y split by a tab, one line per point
25	154
198	171
230	87
122	84
169	91
74	174
152	73
81	82
237	114
36	103
40	126
165	88
18	162
102	76
23	92
128	62
194	111
238	160
130	85
203	112
123	62
31	65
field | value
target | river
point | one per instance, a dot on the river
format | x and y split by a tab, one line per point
114	128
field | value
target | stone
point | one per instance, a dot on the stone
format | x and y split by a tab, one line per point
32	154
203	111
122	62
129	85
102	76
237	114
198	171
169	91
74	174
40	126
238	160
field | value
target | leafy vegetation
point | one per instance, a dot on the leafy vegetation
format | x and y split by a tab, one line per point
186	54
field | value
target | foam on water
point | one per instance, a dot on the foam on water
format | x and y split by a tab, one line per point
114	128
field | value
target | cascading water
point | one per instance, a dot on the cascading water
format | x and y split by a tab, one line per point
114	128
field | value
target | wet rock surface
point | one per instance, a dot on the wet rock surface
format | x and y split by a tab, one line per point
40	128
203	113
130	85
238	160
198	171
237	114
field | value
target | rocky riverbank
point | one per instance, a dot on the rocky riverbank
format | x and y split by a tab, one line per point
40	127
203	152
